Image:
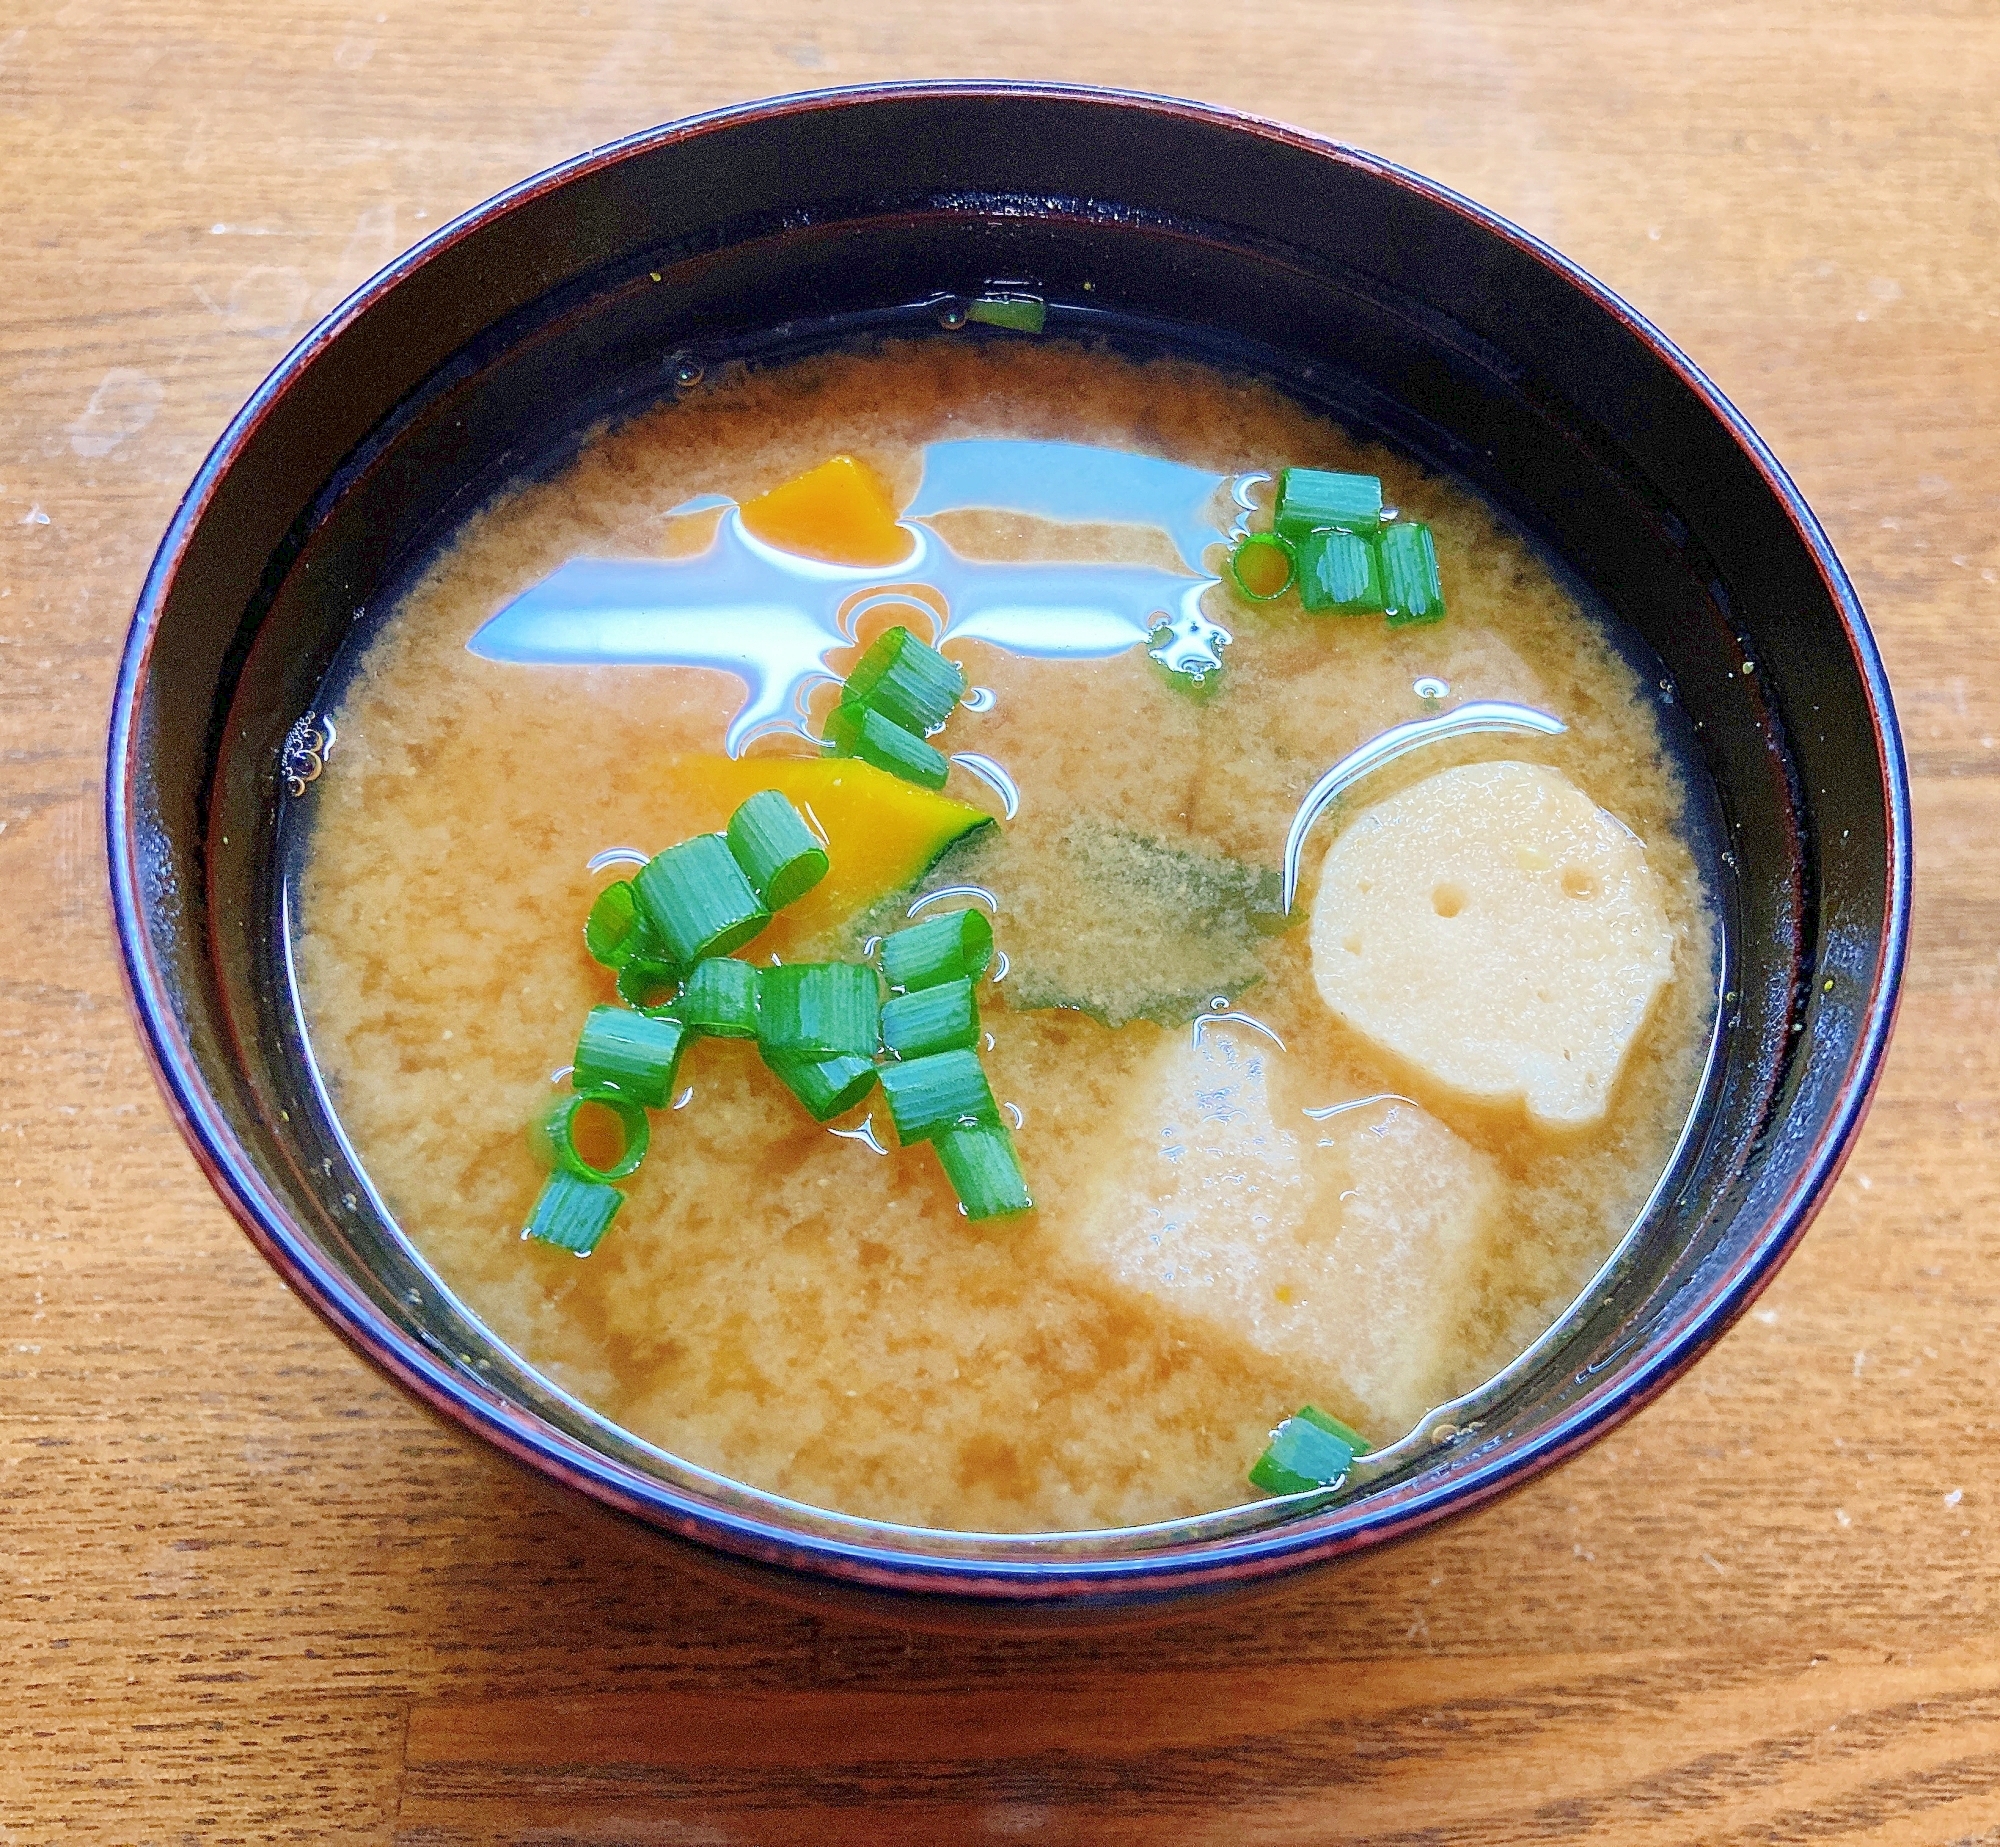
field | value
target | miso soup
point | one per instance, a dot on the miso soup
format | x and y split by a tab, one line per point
1352	1146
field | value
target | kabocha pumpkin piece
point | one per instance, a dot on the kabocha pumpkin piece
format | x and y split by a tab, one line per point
881	833
840	513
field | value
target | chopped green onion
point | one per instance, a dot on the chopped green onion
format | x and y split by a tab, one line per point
697	899
944	1018
1410	589
861	731
648	983
984	1171
1263	566
907	680
820	1009
1023	313
828	1087
554	1136
954	947
719	998
1311	1450
616	929
777	851
1335	1428
636	1054
1314	499
573	1214
930	1095
1339	570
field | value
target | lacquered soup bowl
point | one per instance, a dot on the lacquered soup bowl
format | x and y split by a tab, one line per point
1363	289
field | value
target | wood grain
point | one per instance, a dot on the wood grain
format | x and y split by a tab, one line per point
248	1593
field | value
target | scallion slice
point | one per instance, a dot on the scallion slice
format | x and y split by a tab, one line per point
929	1095
648	983
635	1054
1022	313
554	1136
1411	592
616	930
862	732
828	1087
819	1009
1263	566
719	998
943	1018
984	1171
1311	1450
1339	570
953	947
907	680
573	1214
698	901
1314	499
776	849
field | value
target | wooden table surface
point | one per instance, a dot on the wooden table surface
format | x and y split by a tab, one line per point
249	1593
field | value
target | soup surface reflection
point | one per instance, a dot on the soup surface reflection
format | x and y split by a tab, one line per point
1246	1199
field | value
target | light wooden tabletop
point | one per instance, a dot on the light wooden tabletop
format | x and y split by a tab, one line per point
249	1593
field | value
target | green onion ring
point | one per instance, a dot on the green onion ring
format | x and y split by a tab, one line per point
1264	542
556	1131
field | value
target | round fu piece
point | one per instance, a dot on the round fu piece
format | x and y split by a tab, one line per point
1498	930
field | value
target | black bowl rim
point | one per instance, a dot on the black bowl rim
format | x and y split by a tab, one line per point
232	1171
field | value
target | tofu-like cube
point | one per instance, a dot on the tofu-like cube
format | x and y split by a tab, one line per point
1349	1245
1496	928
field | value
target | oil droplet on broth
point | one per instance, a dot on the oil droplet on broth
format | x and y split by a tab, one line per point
994	777
772	618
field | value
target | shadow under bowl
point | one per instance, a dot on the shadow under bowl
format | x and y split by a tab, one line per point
1354	284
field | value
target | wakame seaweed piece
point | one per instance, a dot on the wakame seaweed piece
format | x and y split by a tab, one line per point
1021	313
984	1171
1411	592
719	998
1318	499
636	1054
1264	565
1311	1450
956	946
944	1018
573	1214
698	901
820	1009
827	1087
553	1136
862	732
1123	926
929	1095
907	680
779	853
616	929
1340	570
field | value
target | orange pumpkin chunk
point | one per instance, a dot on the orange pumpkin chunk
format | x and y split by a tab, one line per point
881	833
840	513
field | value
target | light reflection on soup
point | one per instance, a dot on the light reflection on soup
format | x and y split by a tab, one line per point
1232	1219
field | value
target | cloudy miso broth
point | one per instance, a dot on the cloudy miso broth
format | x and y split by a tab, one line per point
1263	1175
